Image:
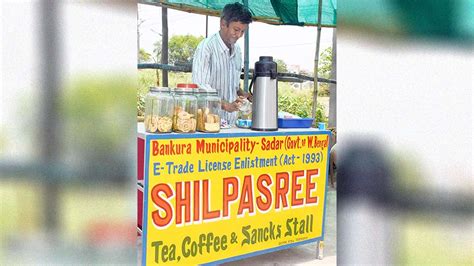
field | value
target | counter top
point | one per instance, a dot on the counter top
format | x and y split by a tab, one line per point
230	131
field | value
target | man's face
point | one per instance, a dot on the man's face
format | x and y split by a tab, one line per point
232	32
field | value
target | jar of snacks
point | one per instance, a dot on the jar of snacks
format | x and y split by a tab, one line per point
185	108
209	104
159	106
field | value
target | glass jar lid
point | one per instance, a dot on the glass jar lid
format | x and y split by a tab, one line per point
187	85
207	90
159	89
186	88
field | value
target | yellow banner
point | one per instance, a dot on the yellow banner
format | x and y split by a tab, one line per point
209	199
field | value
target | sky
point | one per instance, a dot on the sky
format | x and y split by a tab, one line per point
294	45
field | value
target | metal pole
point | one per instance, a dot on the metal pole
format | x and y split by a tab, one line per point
332	87
49	133
207	25
138	38
316	62
164	43
246	56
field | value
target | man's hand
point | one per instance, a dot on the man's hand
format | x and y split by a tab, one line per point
245	95
233	106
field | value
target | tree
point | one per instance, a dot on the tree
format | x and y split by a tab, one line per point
325	63
182	48
324	70
281	66
144	56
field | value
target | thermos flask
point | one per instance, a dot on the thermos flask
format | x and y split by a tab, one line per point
265	95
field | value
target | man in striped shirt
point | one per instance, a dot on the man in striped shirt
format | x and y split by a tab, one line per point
218	60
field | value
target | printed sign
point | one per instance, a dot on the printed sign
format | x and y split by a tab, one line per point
209	198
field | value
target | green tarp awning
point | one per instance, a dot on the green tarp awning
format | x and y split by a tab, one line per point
280	12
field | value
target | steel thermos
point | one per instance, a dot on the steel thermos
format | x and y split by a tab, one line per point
265	95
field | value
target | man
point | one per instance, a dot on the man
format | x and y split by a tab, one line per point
218	60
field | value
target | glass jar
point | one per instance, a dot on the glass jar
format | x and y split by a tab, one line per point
209	105
244	117
185	108
159	105
172	90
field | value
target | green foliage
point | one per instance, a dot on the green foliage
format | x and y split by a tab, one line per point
96	110
325	63
323	89
281	66
144	56
182	47
298	102
324	70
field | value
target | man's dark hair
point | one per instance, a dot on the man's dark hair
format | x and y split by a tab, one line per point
236	12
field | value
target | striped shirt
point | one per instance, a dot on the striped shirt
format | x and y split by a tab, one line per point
215	66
